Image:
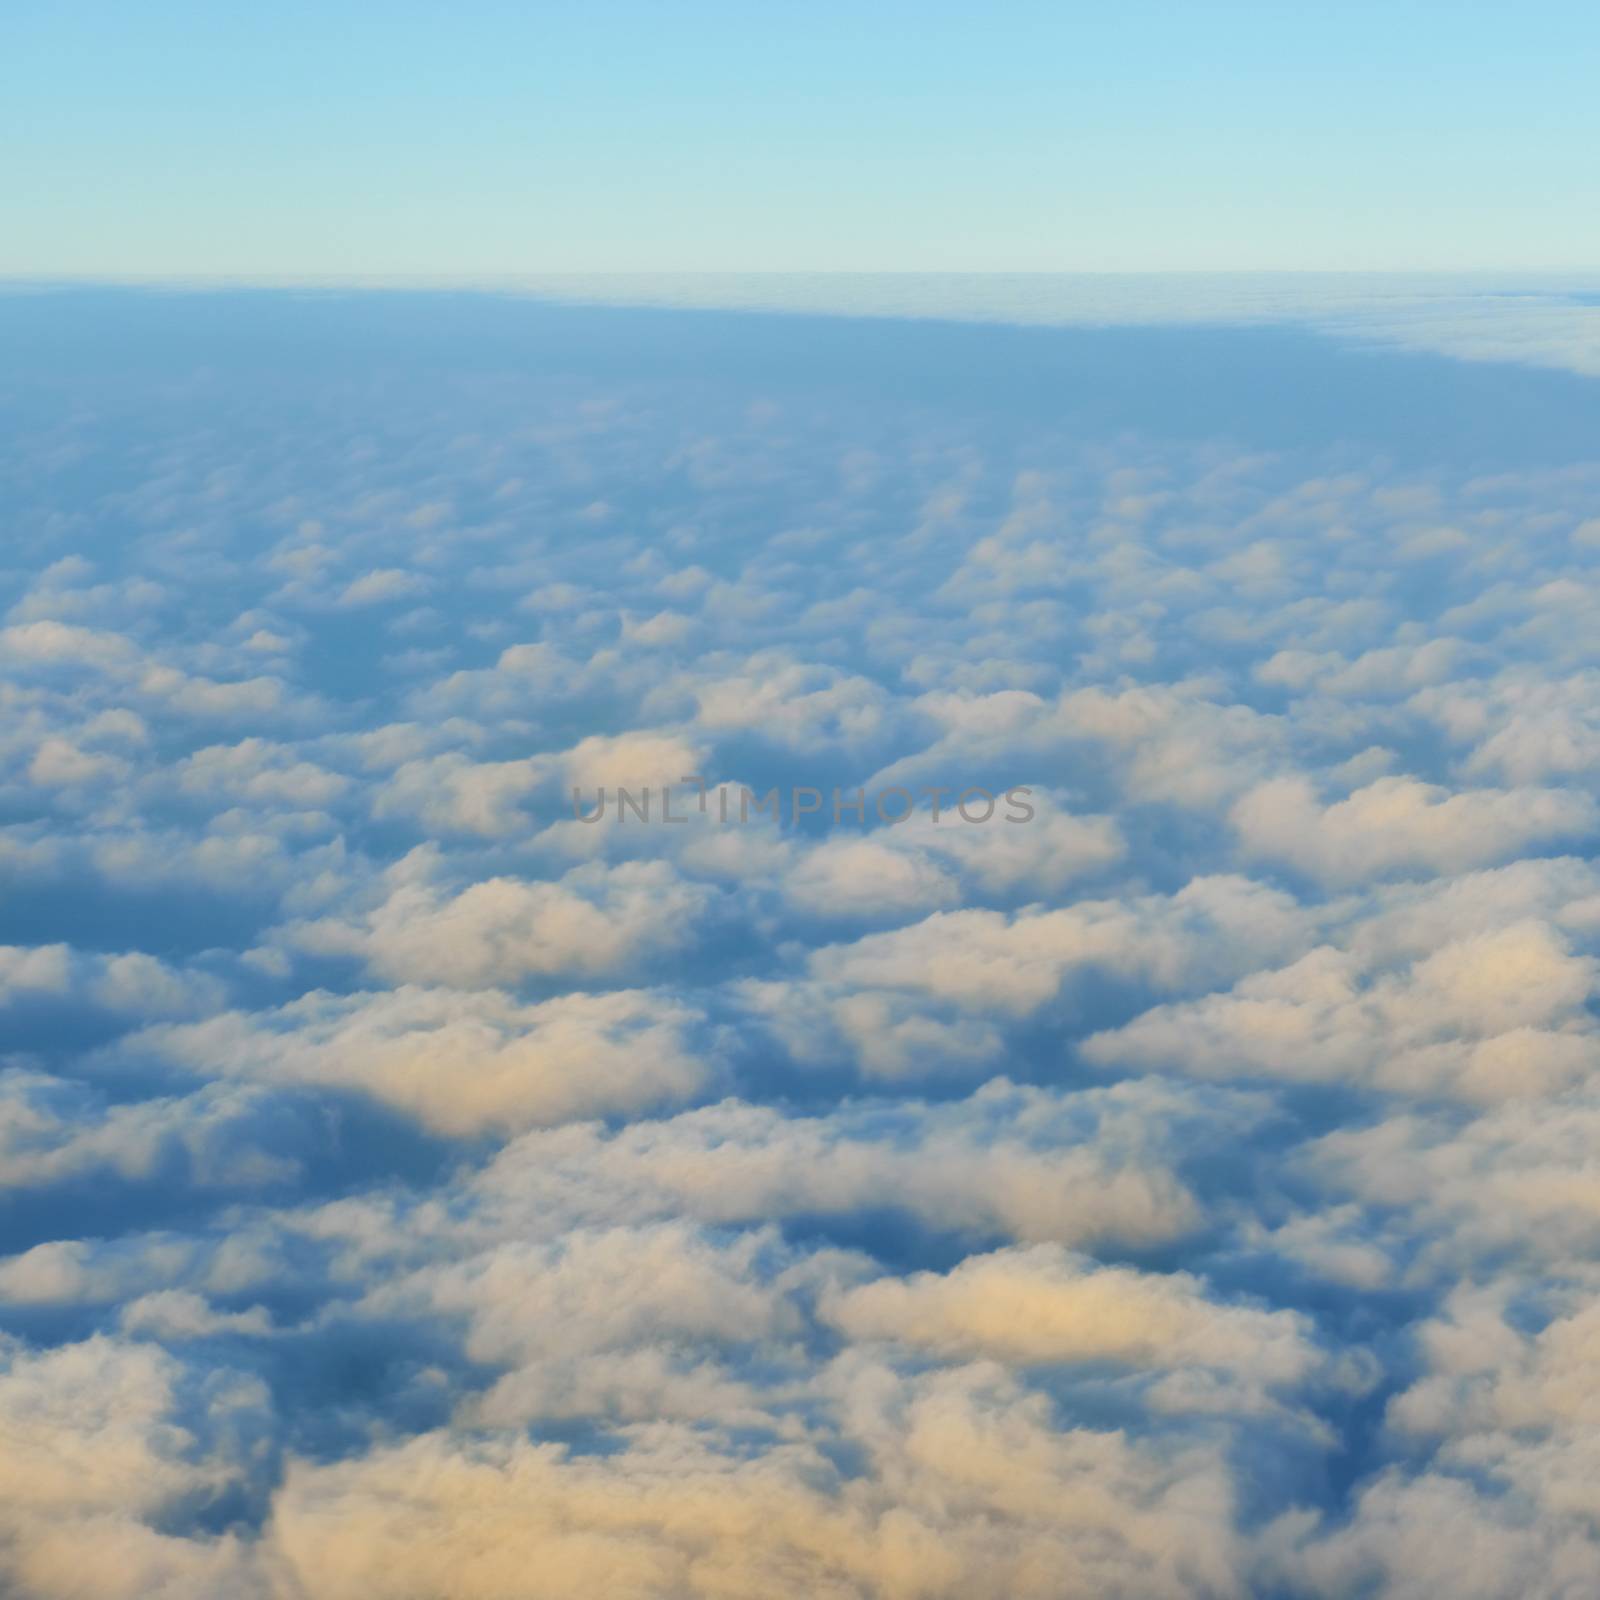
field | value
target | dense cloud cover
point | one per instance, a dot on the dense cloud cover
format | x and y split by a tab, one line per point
410	1188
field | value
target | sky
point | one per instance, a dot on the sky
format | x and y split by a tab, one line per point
767	831
1165	1174
491	140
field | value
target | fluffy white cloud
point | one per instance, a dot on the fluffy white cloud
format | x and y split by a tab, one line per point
453	793
1487	1016
462	1063
596	921
105	1441
1022	1163
1400	824
969	1487
984	960
1043	1306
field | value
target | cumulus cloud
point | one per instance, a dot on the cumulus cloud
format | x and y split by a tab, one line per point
1042	1306
1019	1163
55	1131
106	1440
970	1487
1398	823
1484	1017
453	793
460	1062
983	960
133	983
594	921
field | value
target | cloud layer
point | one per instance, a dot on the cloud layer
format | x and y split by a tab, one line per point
408	1186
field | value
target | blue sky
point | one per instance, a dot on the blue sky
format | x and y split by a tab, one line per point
493	139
